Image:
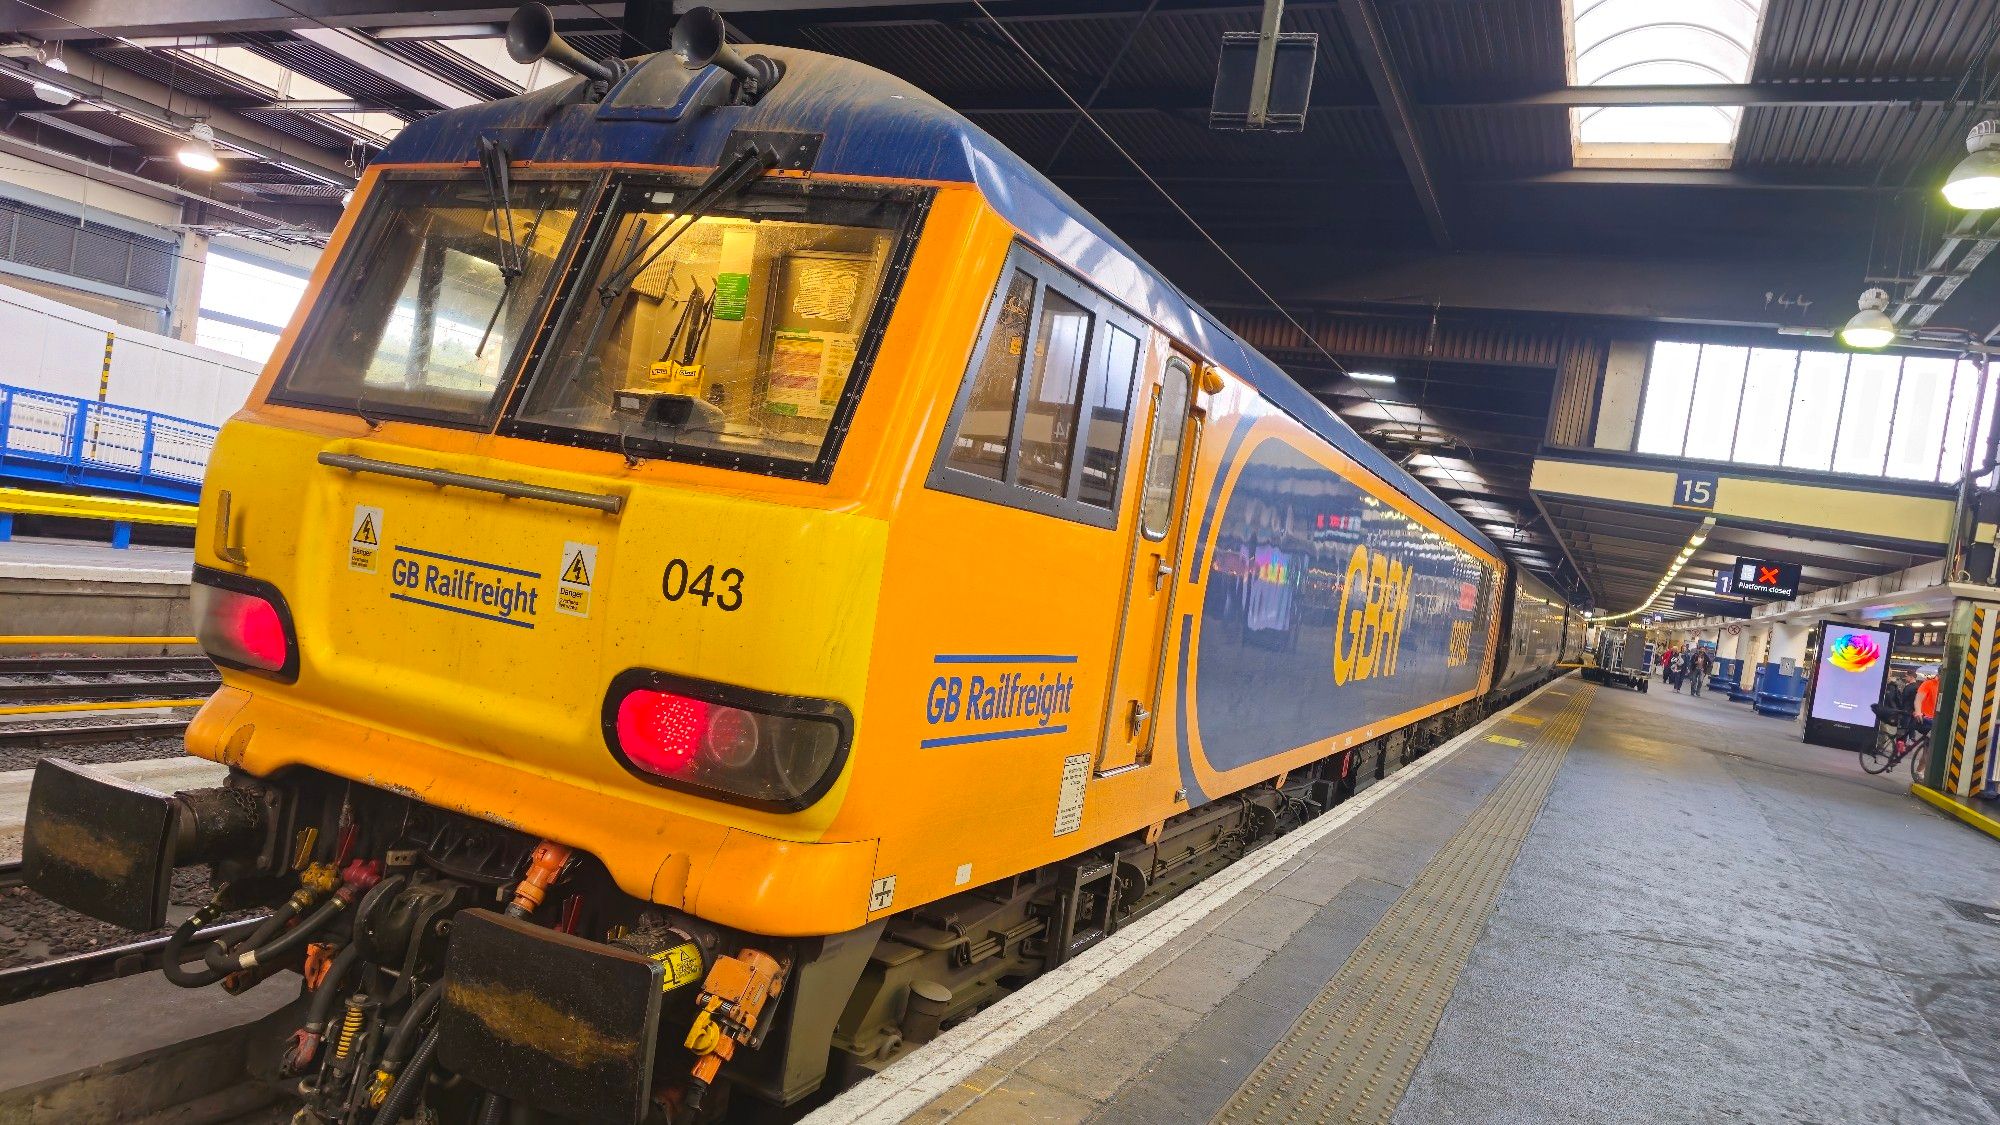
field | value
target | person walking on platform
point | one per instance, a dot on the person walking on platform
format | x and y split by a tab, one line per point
1677	670
1697	670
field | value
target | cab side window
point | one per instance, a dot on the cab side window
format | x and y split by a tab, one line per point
1043	419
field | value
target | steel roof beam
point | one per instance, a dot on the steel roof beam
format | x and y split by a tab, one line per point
142	99
132	181
357	49
1371	47
150	19
1891	92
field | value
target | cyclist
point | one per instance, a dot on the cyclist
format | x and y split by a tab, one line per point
1924	700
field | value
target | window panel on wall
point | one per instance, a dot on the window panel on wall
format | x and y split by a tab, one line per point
1916	440
1815	418
235	339
1863	443
1958	423
1670	384
249	290
1718	391
1767	399
1982	432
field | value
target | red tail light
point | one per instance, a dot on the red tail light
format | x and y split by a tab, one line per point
752	748
660	731
243	623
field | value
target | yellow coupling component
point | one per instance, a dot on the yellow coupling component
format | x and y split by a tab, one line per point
378	1091
315	883
726	1013
302	848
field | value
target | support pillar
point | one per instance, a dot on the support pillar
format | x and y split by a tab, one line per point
1963	737
184	313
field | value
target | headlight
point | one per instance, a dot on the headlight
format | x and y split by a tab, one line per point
243	623
748	747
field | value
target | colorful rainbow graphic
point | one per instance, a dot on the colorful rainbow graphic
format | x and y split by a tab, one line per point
1852	652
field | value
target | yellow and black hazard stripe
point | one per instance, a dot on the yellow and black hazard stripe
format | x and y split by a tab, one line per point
1982	747
104	376
1978	653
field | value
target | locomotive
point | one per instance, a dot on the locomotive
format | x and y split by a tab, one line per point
730	571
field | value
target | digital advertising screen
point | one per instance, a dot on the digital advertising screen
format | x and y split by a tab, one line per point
1852	663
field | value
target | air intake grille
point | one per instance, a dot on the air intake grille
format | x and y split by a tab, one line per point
50	240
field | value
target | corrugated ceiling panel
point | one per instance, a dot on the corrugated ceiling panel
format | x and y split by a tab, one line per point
1449	47
1871	38
1876	136
1534	139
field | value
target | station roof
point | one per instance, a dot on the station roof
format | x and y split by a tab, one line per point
1450	196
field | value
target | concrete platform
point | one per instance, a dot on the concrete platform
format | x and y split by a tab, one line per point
141	1049
1706	920
50	586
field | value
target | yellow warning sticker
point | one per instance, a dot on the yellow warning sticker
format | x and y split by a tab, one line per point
1503	740
1531	720
364	539
573	581
682	964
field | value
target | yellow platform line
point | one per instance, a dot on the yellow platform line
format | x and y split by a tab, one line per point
1959	809
25	502
102	705
79	640
1531	720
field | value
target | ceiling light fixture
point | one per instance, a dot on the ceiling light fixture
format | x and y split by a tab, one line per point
1655	599
199	151
1371	376
54	95
1974	185
1870	328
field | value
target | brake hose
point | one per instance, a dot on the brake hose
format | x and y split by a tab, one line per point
223	961
176	949
409	1082
406	1032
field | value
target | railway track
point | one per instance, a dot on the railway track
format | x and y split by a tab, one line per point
90	679
31	736
24	982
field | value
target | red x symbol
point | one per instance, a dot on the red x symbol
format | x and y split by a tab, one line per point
1767	576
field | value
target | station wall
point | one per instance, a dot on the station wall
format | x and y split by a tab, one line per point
56	348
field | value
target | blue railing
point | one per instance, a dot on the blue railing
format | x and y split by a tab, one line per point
55	439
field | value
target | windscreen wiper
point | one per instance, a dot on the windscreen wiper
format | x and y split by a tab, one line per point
640	252
494	166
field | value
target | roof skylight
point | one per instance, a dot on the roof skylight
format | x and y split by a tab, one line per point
1651	43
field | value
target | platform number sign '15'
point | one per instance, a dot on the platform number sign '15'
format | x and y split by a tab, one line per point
1694	490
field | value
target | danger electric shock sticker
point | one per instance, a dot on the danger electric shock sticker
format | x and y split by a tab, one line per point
573	581
364	539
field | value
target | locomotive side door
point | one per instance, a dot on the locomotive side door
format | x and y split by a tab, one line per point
1138	680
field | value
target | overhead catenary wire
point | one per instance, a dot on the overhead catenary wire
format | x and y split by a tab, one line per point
1091	118
1386	407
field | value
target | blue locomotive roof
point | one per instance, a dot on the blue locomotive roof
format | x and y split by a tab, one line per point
874	124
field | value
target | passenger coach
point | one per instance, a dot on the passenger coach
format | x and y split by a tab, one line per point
774	574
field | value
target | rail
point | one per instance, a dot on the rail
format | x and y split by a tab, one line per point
80	443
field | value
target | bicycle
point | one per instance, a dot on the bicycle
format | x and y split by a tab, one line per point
1897	737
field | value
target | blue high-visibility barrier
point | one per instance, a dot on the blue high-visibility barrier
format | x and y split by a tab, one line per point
101	447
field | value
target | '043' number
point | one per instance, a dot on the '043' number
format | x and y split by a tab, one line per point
724	590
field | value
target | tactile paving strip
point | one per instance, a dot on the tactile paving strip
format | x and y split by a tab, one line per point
1350	1055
